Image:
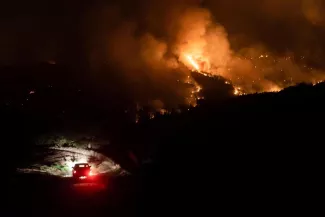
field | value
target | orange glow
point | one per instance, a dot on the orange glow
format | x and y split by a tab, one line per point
238	91
274	89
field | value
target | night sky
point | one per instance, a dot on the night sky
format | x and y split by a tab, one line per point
69	30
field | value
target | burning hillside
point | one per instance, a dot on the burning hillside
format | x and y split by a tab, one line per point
204	47
154	47
195	41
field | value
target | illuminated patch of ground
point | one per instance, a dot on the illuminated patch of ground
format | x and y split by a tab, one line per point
59	161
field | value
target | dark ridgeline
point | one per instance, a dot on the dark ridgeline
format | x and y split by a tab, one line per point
246	153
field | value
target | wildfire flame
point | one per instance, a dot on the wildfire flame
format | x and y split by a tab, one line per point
203	46
193	62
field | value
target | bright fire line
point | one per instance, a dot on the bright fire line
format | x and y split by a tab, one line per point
192	62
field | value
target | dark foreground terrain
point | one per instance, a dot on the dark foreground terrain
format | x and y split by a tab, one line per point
43	195
251	155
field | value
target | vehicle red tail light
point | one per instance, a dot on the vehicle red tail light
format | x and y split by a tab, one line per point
74	172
